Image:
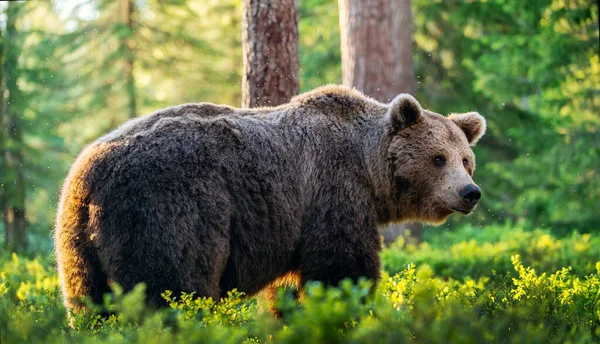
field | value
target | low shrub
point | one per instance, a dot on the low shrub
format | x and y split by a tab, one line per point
475	252
427	302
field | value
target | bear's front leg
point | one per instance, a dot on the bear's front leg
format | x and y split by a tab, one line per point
340	242
331	267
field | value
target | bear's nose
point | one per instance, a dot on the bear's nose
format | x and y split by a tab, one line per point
471	194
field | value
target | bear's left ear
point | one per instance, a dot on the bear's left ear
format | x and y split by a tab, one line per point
472	124
403	111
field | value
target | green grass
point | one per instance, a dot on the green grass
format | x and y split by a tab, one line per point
493	284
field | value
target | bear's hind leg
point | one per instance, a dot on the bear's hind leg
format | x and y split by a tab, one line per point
291	280
79	268
80	276
180	265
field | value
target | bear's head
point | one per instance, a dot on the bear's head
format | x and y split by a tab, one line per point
431	161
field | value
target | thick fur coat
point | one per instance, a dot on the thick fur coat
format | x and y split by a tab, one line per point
205	198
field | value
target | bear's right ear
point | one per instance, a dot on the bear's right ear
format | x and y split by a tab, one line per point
403	111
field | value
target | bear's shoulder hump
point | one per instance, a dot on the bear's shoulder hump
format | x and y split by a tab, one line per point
336	100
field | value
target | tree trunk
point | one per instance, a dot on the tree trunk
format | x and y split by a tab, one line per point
3	139
270	50
13	179
376	43
127	11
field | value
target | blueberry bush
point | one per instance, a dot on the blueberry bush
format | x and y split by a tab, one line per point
474	285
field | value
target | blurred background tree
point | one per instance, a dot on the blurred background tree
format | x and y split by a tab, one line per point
80	68
13	179
270	47
376	45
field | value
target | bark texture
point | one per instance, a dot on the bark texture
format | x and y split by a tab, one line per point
376	43
270	52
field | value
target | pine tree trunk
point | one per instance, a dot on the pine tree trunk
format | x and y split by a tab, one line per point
127	11
376	43
270	50
13	176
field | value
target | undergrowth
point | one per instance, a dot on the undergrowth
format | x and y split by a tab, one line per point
497	285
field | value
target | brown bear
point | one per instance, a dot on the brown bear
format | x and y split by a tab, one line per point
205	198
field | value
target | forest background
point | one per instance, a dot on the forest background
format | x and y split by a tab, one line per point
72	71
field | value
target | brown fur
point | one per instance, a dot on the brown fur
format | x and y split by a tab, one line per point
205	198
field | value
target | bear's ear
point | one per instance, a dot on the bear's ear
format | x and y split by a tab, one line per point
472	124
403	111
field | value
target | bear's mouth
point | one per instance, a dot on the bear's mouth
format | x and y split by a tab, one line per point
464	211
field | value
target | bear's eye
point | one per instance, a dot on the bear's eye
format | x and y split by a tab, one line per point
439	161
465	162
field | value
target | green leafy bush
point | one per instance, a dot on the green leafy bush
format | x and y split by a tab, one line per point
474	252
518	301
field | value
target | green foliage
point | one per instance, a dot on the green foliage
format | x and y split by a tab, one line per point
319	44
532	69
476	252
70	73
233	310
422	302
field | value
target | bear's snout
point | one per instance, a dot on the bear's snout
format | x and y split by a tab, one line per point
471	194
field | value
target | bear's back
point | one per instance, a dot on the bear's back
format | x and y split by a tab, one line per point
145	123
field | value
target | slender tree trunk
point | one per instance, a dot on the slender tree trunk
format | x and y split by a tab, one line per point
376	43
127	12
3	139
270	50
13	182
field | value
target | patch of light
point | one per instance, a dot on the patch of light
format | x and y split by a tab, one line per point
73	11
